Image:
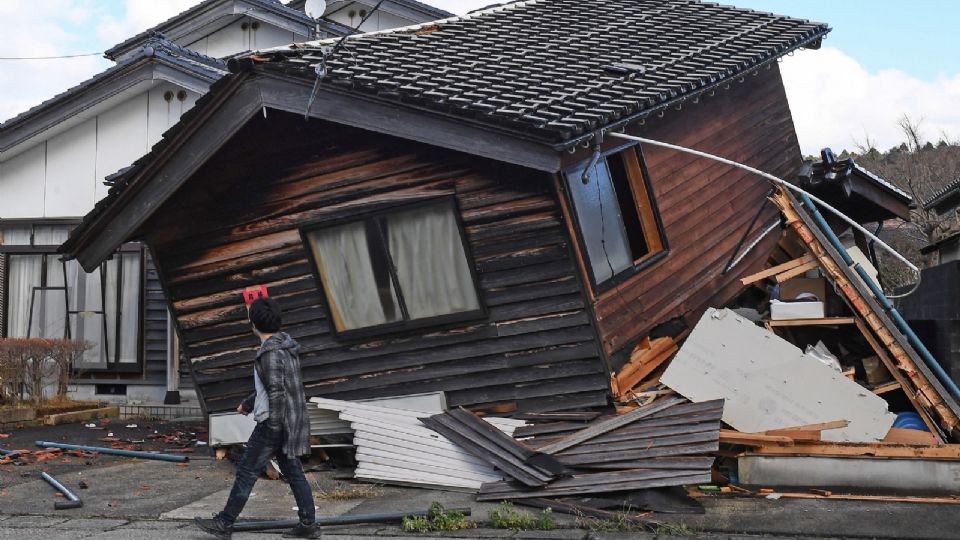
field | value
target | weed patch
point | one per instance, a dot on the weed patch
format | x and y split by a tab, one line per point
506	516
437	519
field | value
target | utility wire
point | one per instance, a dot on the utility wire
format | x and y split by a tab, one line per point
49	57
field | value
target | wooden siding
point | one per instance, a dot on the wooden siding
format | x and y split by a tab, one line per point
235	223
154	325
705	206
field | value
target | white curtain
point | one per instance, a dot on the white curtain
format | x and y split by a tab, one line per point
432	268
24	275
130	308
50	235
16	236
122	276
343	256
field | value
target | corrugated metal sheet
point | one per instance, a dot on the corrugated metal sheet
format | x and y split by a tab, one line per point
394	446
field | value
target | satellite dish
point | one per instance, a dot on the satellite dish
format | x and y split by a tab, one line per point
315	8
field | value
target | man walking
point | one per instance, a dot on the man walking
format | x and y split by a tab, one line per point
279	407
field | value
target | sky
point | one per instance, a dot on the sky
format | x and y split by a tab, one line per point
884	59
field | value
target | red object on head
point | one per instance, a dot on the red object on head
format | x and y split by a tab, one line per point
250	294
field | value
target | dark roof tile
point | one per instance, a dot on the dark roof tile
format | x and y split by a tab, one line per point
540	65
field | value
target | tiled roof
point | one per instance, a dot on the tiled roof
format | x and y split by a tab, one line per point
156	48
557	68
941	196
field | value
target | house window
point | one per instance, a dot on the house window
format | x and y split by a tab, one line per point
395	270
615	214
45	296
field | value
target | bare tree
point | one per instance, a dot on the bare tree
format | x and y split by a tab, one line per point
922	169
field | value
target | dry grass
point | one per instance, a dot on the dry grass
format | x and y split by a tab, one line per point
346	492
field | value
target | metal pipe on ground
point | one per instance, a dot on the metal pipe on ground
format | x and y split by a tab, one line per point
72	500
387	517
12	454
113	451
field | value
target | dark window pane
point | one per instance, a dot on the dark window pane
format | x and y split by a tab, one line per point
601	224
628	207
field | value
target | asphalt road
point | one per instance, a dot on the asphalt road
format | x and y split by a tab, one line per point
51	528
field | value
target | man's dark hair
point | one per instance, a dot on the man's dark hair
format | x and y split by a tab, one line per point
266	316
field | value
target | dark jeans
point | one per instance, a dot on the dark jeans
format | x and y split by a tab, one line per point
263	444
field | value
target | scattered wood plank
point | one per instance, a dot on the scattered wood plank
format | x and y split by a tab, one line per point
779	269
823	426
798	271
642	365
752	439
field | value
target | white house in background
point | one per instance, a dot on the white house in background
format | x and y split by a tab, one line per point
55	158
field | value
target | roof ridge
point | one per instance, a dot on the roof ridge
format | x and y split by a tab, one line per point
200	7
940	194
403	29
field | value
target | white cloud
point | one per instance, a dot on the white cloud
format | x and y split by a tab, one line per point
837	103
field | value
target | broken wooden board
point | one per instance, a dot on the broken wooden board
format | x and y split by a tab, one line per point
769	384
643	362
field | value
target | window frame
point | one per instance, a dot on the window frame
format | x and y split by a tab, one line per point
391	328
644	262
113	365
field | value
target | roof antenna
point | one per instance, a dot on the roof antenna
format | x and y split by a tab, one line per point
326	53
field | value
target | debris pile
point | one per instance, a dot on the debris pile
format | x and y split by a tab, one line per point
394	446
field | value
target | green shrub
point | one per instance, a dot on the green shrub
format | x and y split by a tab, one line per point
437	519
507	517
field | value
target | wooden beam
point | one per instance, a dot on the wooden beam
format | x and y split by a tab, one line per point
780	268
828	321
880	450
289	94
823	426
729	436
888	387
798	271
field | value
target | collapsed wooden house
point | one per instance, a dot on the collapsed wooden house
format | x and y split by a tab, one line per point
451	217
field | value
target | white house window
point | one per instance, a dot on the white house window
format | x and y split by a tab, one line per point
51	298
395	270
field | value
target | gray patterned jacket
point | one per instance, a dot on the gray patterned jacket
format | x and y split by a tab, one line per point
278	365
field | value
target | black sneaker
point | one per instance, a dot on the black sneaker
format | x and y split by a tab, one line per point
214	526
303	531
